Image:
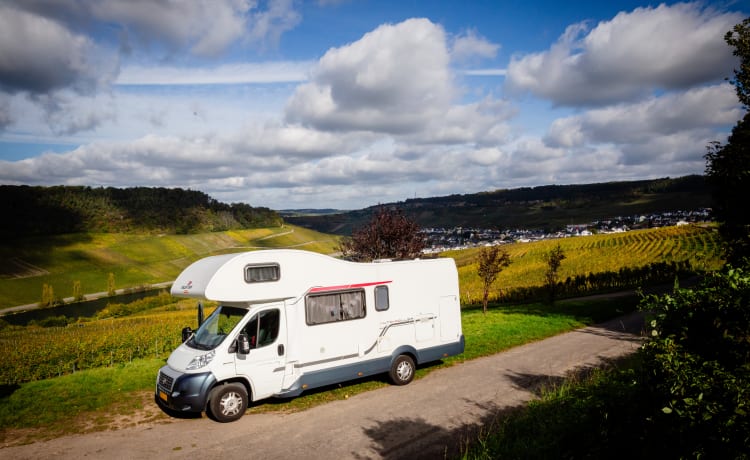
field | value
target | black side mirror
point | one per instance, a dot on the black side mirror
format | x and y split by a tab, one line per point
186	333
243	343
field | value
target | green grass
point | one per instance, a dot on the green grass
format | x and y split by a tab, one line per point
68	404
594	415
61	405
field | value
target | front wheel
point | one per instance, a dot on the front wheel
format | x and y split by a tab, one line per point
402	370
227	403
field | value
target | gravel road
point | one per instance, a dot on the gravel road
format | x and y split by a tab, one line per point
428	418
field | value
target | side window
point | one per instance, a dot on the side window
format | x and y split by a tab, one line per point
337	306
261	273
381	298
263	329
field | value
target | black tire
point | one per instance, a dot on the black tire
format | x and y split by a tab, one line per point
228	403
402	370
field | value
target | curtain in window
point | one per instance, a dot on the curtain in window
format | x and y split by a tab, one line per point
323	309
352	305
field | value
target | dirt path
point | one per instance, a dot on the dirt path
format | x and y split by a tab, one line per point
425	419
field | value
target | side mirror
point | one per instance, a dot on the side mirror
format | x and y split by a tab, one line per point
186	333
243	344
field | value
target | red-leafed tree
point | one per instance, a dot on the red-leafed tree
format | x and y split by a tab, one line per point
388	235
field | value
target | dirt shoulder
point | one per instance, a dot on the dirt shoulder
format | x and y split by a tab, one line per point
428	418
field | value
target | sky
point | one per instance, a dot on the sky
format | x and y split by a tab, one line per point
350	103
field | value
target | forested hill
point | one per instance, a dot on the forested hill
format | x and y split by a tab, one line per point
549	207
27	210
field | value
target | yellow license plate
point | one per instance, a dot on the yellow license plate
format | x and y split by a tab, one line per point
163	395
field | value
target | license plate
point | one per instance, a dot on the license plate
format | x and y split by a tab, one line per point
163	395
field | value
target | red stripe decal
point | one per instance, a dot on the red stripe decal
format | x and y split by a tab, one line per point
346	286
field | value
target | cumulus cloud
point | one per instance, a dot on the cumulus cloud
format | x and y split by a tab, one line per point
704	108
39	55
204	27
631	56
394	79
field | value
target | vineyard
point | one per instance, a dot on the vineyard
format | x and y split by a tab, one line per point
694	246
35	353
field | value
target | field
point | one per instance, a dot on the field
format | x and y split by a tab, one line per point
135	260
593	254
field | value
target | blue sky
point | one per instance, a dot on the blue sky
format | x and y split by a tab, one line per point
346	104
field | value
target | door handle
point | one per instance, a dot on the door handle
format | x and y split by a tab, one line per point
280	349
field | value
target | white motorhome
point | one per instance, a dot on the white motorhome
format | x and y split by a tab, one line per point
290	320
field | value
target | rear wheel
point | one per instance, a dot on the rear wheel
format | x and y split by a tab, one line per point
227	403
402	370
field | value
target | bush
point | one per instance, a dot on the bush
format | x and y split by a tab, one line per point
697	366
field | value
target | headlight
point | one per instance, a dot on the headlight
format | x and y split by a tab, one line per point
201	360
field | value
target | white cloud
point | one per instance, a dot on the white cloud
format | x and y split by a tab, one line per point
206	28
394	79
702	108
630	56
471	45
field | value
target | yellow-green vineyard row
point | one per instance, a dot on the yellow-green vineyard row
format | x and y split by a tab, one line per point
593	254
34	353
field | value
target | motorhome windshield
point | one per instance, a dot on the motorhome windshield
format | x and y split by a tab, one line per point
215	328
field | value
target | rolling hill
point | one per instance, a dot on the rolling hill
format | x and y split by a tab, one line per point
549	207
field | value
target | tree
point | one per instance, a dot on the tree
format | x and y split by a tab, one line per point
388	235
553	259
739	38
77	292
111	284
728	166
492	260
48	296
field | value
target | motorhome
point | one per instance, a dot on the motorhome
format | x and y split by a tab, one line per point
288	320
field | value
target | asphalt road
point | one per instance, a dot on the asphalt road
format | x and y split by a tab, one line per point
428	418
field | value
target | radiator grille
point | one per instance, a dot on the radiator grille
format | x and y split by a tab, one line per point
165	382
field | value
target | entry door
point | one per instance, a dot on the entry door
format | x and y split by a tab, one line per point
264	365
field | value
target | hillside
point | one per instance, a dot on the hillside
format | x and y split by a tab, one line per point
59	210
133	259
549	207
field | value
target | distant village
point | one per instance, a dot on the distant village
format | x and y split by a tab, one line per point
443	239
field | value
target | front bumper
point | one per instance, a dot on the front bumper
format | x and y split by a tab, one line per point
183	392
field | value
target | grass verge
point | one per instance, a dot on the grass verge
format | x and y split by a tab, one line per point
100	399
594	415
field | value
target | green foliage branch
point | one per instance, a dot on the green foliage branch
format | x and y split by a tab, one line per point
697	366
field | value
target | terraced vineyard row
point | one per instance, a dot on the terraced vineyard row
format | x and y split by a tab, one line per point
34	353
585	255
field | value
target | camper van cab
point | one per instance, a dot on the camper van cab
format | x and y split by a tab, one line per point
290	320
